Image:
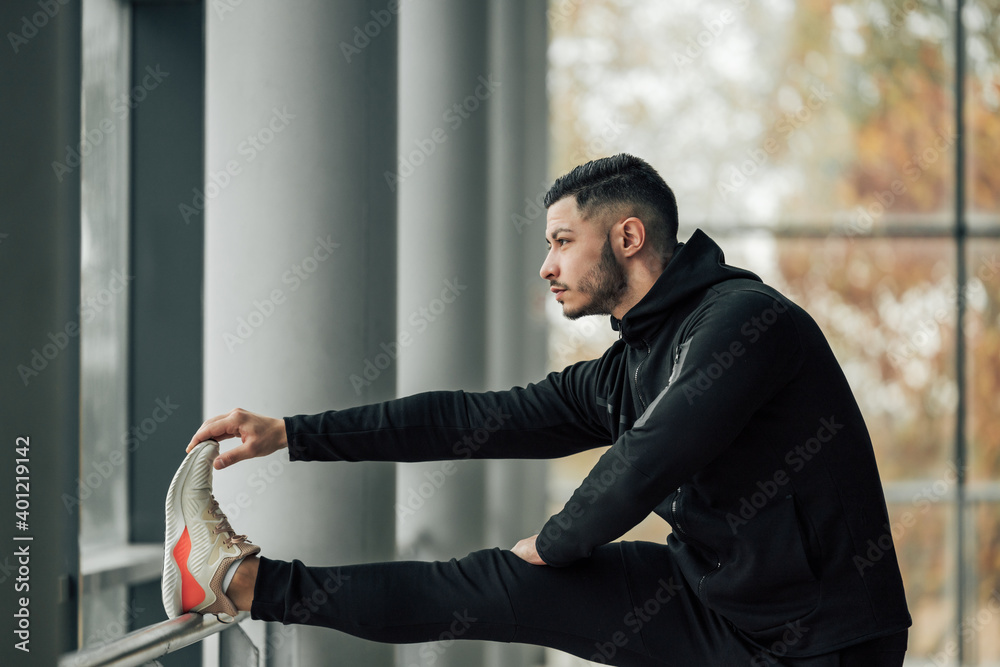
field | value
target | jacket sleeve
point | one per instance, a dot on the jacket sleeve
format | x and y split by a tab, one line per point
547	419
738	352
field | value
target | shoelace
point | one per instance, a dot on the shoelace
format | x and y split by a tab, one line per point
223	525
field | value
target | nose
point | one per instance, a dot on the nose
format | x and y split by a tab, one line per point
548	270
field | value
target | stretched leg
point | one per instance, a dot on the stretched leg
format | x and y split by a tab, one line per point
625	605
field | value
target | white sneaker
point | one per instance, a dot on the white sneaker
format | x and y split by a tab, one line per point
200	544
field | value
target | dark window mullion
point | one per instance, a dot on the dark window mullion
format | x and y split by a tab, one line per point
960	351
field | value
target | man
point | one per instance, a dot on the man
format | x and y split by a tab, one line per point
728	416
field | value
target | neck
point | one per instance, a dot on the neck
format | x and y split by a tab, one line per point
641	278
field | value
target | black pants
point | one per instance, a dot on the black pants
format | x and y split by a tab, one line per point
625	605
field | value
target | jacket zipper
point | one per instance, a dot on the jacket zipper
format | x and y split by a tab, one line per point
638	390
674	369
673	510
706	575
680	529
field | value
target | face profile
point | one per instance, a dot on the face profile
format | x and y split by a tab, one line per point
583	272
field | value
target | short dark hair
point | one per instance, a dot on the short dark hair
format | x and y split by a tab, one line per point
622	184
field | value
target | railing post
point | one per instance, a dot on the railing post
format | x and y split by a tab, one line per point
141	646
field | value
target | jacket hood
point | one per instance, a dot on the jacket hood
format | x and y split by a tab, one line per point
694	267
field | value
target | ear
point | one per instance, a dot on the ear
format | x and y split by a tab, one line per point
633	236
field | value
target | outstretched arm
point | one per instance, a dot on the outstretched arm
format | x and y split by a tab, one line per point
544	420
548	419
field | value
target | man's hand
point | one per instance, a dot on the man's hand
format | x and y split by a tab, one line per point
525	550
260	435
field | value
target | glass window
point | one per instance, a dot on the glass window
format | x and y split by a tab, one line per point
817	144
887	309
103	163
924	536
981	625
982	110
773	114
982	299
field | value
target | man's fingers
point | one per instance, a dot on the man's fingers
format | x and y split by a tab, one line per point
217	428
260	436
526	551
234	455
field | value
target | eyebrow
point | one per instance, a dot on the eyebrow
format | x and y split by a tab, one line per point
558	230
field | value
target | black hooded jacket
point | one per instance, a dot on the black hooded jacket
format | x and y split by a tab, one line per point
728	416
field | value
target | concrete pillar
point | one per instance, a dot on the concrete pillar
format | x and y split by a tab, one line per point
517	331
445	89
300	272
40	70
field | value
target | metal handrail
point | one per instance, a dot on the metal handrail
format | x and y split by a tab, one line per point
146	644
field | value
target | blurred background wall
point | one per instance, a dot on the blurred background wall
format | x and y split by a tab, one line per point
290	207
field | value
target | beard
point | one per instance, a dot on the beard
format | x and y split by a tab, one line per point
606	284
